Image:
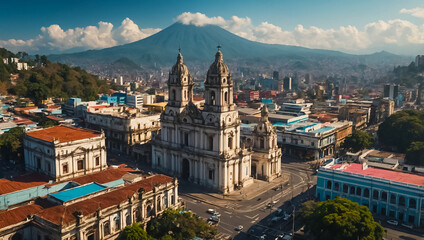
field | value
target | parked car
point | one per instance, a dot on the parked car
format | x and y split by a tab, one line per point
217	214
393	222
211	211
286	216
239	228
279	211
410	226
214	218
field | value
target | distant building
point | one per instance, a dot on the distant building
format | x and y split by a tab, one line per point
419	61
64	152
124	128
389	193
391	91
287	83
381	109
295	109
135	100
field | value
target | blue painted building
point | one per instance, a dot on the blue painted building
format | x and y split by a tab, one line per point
121	97
109	99
396	195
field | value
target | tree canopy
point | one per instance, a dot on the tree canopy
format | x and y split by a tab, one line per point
341	219
357	141
11	144
173	224
401	129
134	232
415	154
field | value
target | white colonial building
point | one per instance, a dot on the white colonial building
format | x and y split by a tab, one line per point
64	152
202	146
266	157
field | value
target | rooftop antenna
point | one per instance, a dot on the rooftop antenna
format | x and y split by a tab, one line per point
219	46
179	48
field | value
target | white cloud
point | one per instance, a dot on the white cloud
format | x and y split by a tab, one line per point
375	35
104	35
416	12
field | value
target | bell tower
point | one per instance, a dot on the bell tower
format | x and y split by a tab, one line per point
180	85
219	86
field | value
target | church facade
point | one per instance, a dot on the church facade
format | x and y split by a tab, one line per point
202	146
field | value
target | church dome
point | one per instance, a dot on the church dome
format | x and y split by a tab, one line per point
179	68
218	67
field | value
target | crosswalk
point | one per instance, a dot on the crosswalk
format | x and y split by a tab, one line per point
222	236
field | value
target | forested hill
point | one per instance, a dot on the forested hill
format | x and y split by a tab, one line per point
49	79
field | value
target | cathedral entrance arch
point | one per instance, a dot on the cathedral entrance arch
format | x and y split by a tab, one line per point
253	171
185	174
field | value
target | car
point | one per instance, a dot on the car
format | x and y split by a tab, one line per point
279	211
214	218
393	222
239	228
410	226
286	216
287	237
211	211
274	202
263	237
280	236
217	214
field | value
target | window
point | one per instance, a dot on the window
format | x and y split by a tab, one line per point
345	188
97	161
158	161
384	196
106	228
262	143
38	163
159	205
173	96
328	184
352	190
226	96
411	218
80	164
186	139
127	219
412	203
49	167
211	174
366	192
65	168
117	223
358	191
284	140
210	147
173	200
375	195
185	94
312	143
393	199
402	201
212	102
336	187
230	142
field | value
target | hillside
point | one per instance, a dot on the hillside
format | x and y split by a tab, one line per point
198	46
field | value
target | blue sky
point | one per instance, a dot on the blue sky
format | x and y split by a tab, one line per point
266	21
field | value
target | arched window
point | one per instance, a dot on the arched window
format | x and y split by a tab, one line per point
402	201
117	223
212	98
352	190
375	195
358	191
328	184
345	188
226	97
384	196
159	205
412	203
185	94
106	228
262	143
149	210
230	142
366	192
127	219
393	199
174	96
336	186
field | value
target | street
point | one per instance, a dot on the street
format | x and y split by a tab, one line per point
254	215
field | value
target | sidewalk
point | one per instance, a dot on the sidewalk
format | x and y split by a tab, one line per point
248	193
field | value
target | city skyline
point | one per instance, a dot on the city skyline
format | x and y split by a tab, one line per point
352	26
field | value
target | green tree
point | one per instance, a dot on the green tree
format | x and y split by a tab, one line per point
11	144
401	129
341	219
415	154
180	225
357	141
134	232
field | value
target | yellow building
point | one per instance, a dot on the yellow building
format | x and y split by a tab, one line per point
156	107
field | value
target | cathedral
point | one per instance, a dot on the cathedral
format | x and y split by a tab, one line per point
203	145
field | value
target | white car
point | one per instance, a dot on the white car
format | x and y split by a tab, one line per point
211	211
393	222
239	228
410	226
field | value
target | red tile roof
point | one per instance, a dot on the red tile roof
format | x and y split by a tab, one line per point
101	177
23	121
54	118
384	174
22	182
63	134
19	214
61	214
